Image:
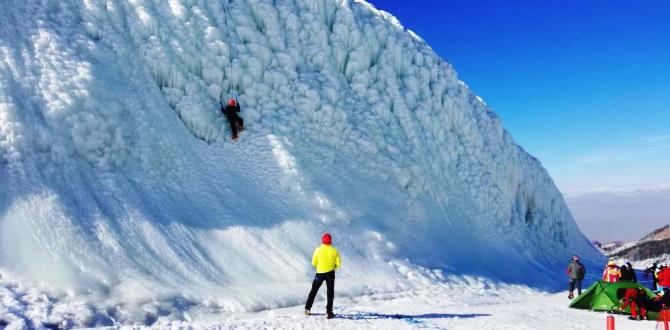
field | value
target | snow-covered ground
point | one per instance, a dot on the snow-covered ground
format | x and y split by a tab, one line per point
122	198
466	303
516	309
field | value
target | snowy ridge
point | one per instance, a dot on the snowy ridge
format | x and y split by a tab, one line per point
123	190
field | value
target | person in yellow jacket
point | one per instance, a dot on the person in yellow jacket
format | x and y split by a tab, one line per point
611	272
326	259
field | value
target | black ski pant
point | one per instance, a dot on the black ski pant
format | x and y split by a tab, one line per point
234	120
576	283
329	277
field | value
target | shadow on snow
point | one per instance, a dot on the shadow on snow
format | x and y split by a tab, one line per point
375	316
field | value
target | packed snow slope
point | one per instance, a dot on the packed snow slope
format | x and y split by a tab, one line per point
120	186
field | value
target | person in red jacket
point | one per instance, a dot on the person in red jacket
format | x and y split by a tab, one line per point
635	297
611	272
663	278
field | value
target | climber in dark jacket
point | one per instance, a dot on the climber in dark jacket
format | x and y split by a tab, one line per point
236	123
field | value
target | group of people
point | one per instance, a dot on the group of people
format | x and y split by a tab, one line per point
637	298
660	276
614	273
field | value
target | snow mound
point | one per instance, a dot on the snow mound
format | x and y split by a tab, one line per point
120	187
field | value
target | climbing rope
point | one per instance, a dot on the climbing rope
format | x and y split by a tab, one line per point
231	91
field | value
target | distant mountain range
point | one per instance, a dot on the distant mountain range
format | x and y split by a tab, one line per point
654	246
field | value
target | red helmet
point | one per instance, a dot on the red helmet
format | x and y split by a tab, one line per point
326	239
232	102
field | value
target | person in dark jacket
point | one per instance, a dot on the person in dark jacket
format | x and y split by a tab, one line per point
576	273
643	301
652	270
660	302
236	123
624	273
627	273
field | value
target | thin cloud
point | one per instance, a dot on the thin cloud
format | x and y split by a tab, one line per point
656	138
606	155
622	153
618	191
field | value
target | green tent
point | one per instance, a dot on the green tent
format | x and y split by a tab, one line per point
605	296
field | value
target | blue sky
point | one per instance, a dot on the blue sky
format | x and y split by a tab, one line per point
582	85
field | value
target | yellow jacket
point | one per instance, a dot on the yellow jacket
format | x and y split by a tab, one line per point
326	259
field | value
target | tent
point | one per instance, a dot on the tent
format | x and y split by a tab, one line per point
605	296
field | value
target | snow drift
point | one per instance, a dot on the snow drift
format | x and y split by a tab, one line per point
120	187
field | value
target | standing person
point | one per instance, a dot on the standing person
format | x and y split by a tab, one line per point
652	270
611	272
627	273
631	272
576	273
326	259
235	121
663	278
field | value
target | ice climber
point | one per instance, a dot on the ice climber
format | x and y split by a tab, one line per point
611	272
326	259
576	273
235	121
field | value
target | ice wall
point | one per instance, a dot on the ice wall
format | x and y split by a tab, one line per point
120	187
